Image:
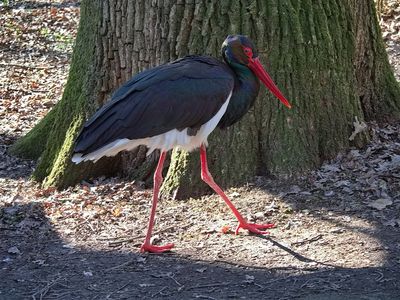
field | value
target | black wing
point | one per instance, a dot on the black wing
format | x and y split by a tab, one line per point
183	94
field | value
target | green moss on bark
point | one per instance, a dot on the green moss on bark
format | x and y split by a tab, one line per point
55	167
178	180
53	138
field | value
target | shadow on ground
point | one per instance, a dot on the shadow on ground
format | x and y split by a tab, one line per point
12	167
37	264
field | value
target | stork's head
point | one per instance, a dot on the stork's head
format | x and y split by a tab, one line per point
239	49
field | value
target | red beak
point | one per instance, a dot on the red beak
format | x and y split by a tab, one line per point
259	70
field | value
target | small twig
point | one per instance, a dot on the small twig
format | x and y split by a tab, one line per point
389	175
379	277
141	236
208	285
46	289
25	66
62	295
113	292
90	225
305	241
95	297
258	285
7	228
275	280
119	266
39	91
176	281
205	297
107	238
159	292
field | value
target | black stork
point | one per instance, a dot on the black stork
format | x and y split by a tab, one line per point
178	105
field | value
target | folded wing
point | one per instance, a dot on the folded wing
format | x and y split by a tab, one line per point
184	94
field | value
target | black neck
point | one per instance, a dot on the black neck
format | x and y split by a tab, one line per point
243	96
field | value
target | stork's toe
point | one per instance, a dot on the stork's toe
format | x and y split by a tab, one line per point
155	249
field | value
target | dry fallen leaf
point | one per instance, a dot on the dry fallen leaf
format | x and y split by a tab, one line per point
87	273
116	212
358	128
225	229
13	250
249	279
146	284
391	222
45	192
381	203
53	11
201	270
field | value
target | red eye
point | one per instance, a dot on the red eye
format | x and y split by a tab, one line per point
248	52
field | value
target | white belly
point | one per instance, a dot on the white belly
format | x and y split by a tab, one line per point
166	141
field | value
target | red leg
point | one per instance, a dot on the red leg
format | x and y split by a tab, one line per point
206	176
146	246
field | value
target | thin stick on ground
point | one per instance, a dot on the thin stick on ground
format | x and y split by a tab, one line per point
117	290
141	236
208	285
46	289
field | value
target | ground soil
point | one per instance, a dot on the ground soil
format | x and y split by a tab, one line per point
337	232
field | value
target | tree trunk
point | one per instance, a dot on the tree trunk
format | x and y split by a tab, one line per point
327	57
377	87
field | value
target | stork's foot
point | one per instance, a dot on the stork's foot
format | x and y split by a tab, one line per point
155	249
254	228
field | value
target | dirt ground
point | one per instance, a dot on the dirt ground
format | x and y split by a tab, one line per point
337	232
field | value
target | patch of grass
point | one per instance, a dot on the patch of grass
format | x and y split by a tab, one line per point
14	27
61	40
4	2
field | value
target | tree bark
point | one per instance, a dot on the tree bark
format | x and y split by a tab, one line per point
377	87
327	57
